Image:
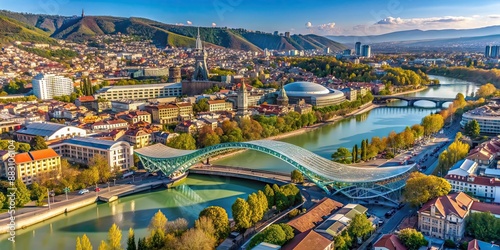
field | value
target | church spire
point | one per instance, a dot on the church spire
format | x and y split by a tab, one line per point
199	44
282	97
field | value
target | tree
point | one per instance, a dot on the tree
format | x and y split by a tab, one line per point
483	226
262	201
219	218
207	137
269	192
296	176
38	143
131	240
355	153
176	227
183	141
103	246
201	106
158	222
38	193
421	188
432	123
458	136
102	166
241	214
418	130
24	147
85	243
89	176
360	226
274	234
206	225
141	244
2	200
486	90
114	238
282	202
195	238
412	239
455	152
472	128
22	193
342	155
343	241
78	244
256	212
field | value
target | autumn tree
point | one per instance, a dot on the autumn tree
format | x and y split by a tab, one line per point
421	188
360	226
219	217
256	212
38	193
432	123
269	192
207	137
455	152
486	90
343	241
38	143
114	238
296	176
412	238
131	240
101	164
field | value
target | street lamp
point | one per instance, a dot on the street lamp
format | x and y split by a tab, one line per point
66	190
53	194
109	189
114	182
48	197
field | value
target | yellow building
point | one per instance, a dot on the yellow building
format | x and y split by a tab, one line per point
32	165
219	105
170	113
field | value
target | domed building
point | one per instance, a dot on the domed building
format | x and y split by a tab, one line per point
313	93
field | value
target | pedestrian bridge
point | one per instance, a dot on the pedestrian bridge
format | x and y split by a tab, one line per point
332	177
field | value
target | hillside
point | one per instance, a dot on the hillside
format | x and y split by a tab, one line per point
12	30
81	29
409	35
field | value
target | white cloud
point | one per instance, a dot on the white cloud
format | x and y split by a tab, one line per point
494	16
214	24
179	24
308	24
326	26
189	22
423	21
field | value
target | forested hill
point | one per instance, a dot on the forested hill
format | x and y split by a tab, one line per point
76	28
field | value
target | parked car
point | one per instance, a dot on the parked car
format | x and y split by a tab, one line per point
390	213
83	191
97	189
401	205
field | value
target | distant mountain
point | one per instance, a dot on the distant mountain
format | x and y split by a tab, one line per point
13	30
79	29
476	43
410	35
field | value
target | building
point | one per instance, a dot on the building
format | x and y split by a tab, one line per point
282	98
314	94
481	207
242	100
444	217
110	124
137	116
309	240
140	91
174	74
481	245
287	34
31	166
126	105
219	105
81	150
487	116
389	242
340	220
366	51
350	94
315	215
487	51
139	137
463	168
485	188
49	131
357	48
163	137
486	153
171	112
48	86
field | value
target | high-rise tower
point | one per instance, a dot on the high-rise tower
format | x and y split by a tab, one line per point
200	67
83	13
242	100
357	48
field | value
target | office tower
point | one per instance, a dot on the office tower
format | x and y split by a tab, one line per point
357	48
366	51
487	51
287	34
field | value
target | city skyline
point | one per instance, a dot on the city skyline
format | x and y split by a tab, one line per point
316	17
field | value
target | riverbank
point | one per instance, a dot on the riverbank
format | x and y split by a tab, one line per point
410	91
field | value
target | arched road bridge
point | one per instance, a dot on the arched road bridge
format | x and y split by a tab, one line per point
332	177
411	100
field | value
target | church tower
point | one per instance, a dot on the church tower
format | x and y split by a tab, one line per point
83	13
242	100
200	66
282	99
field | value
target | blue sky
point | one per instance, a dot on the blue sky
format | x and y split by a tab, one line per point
323	17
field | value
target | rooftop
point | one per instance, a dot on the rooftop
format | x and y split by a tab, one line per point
481	245
315	215
42	128
457	203
463	167
35	155
90	142
390	242
308	240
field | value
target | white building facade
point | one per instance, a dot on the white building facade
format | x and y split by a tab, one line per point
48	86
140	92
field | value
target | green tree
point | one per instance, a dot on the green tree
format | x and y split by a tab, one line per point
355	153
256	212
207	137
269	192
141	244
102	166
472	128
342	155
201	106
296	176
277	234
183	141
38	193
432	123
241	214
24	147
131	240
158	222
421	188
2	200
483	226
114	238
360	226
38	143
343	241
262	201
282	202
412	239
22	193
219	218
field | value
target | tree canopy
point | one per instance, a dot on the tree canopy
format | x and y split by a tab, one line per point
184	141
421	188
412	239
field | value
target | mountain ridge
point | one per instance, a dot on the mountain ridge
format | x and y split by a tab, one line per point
86	28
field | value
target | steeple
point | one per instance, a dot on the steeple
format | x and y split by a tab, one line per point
242	100
199	44
83	13
282	97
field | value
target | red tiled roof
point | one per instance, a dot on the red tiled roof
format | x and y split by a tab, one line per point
307	240
478	180
22	157
315	215
486	207
457	203
86	98
390	242
216	101
35	155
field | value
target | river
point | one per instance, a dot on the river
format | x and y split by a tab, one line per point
200	191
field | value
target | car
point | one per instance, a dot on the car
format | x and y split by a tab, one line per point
390	213
83	191
401	205
97	189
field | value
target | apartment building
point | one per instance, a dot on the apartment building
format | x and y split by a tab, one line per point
48	86
30	166
170	113
140	92
219	105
